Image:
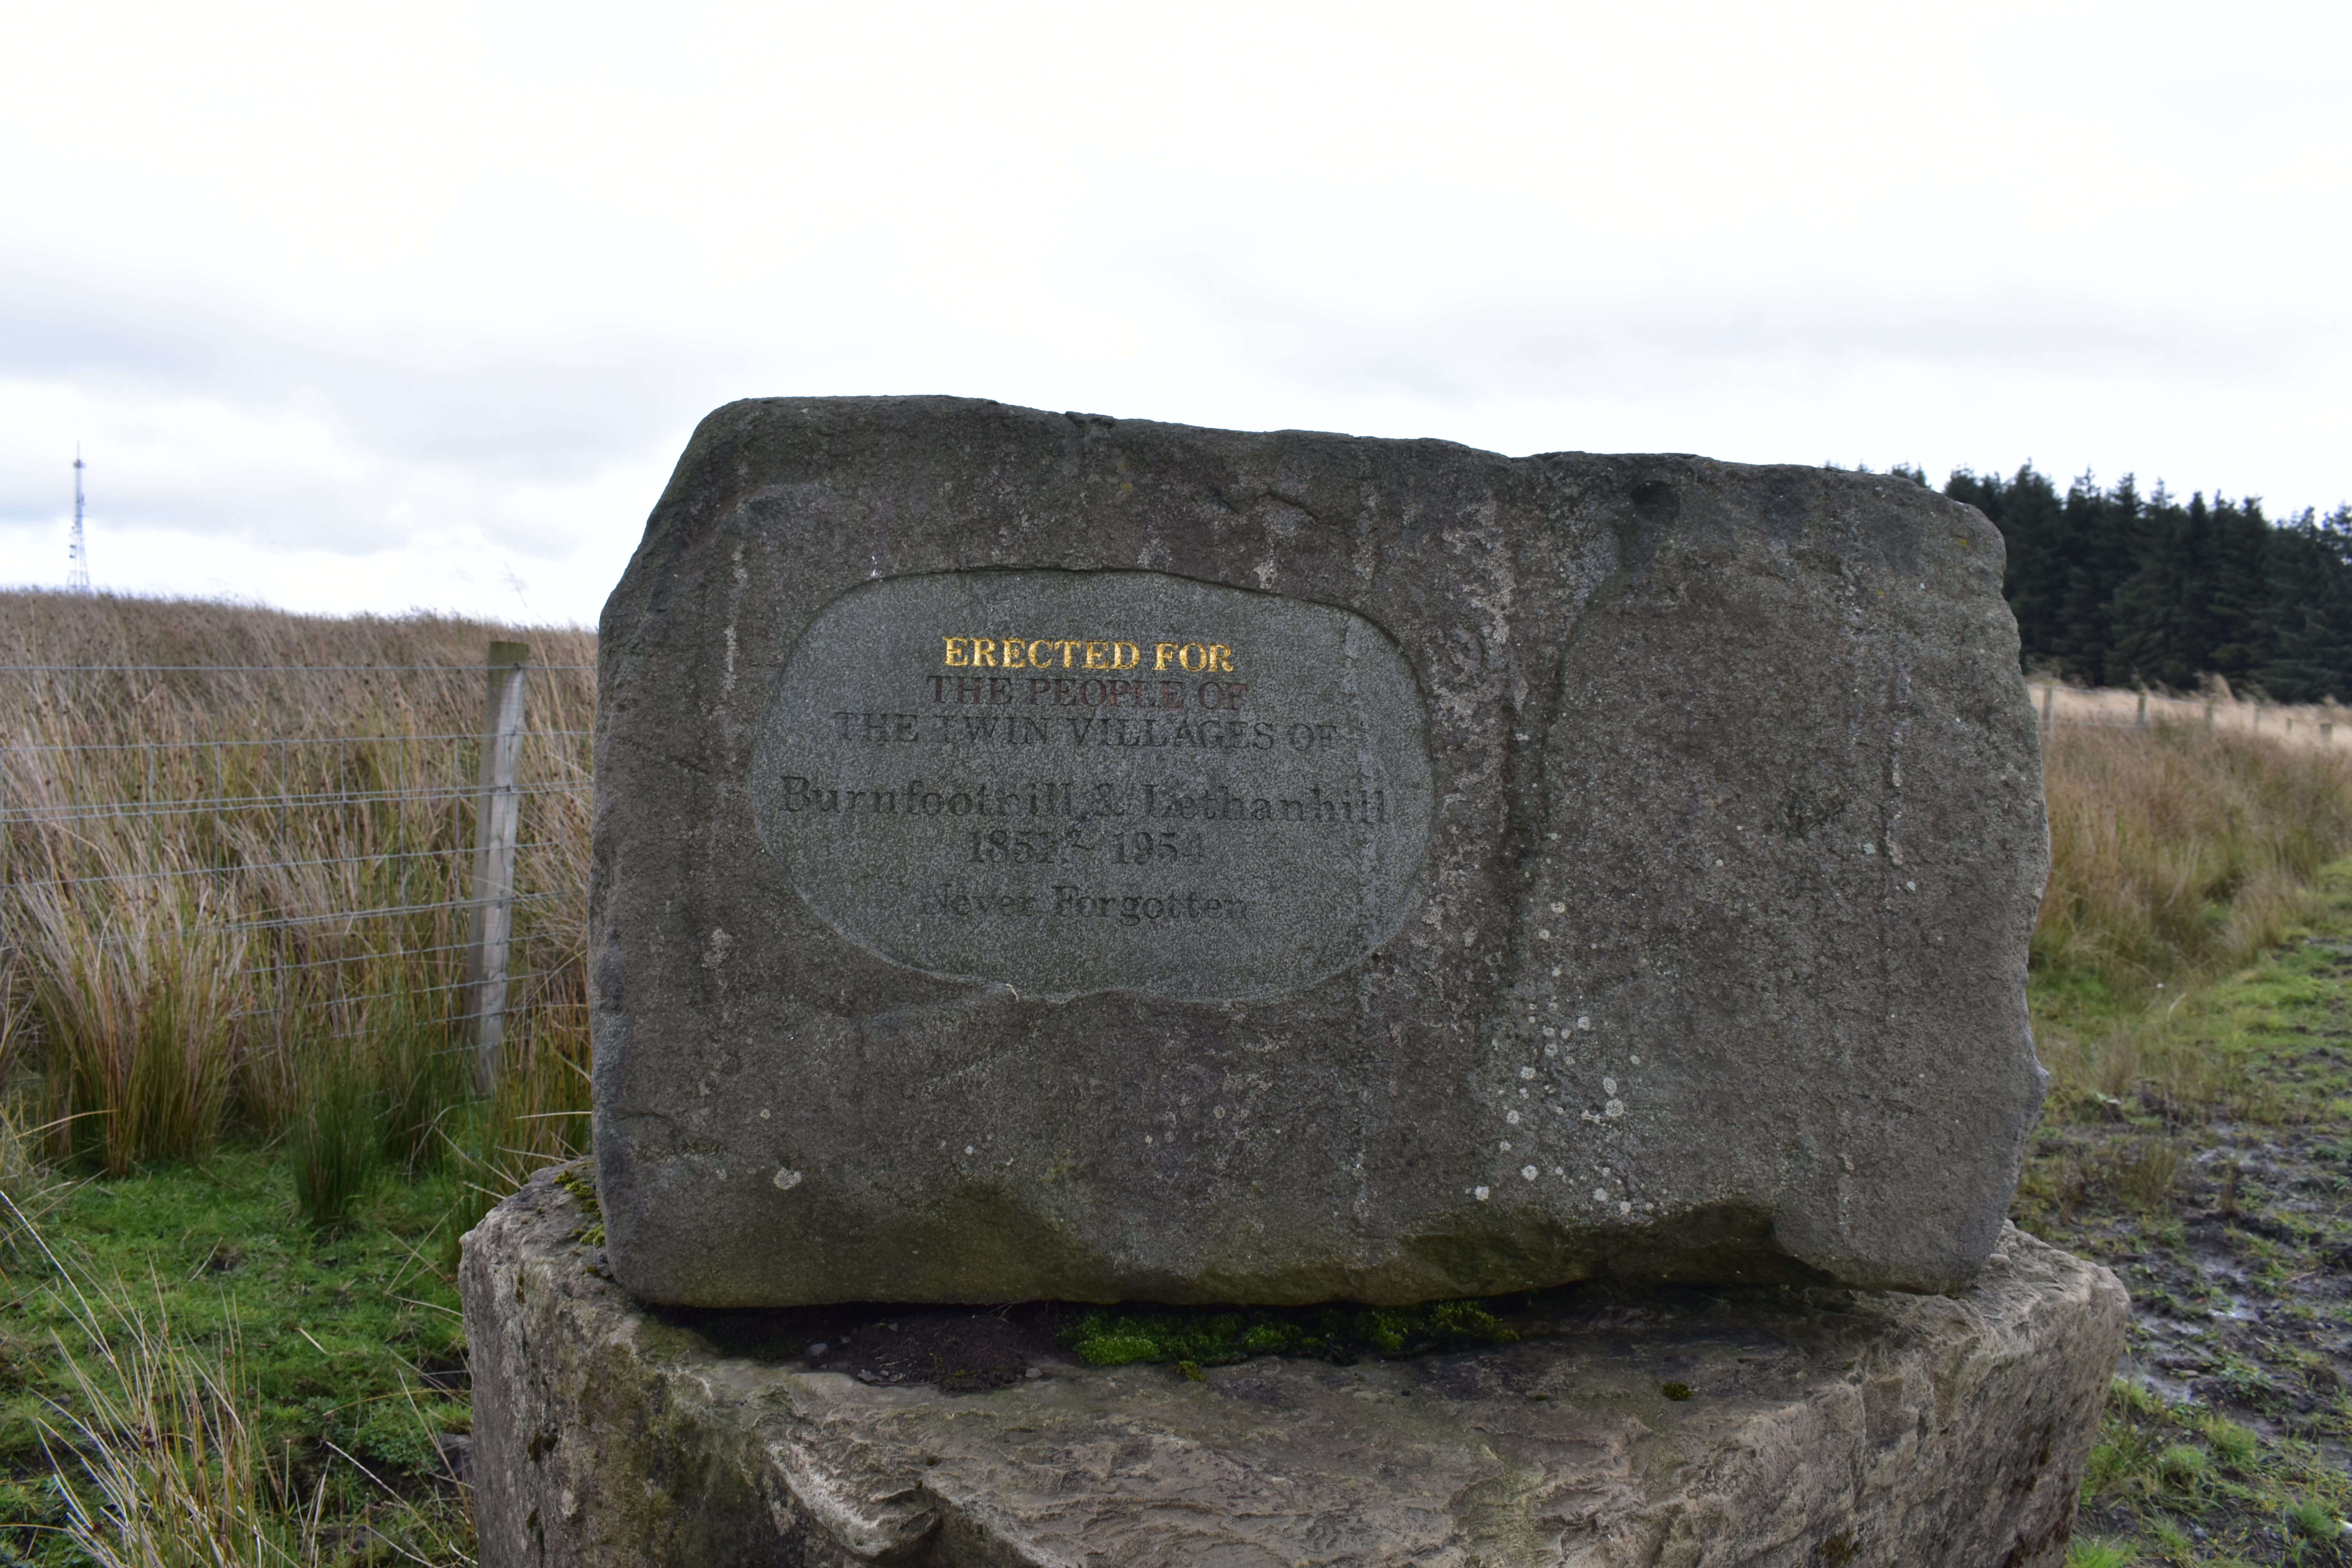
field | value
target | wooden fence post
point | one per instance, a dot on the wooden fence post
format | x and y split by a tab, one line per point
498	816
2049	694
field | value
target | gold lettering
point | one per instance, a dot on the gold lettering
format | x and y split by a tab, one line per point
1037	653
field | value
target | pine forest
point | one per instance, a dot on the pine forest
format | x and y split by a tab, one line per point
2114	587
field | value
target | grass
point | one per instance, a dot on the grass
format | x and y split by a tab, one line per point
2188	1000
336	1141
2176	855
227	886
2192	997
183	1335
234	1081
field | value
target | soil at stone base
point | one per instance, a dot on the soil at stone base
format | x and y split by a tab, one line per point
963	1350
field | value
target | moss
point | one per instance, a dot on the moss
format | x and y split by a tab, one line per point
1211	1336
579	1179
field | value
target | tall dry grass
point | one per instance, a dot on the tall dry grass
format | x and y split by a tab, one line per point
2178	852
234	862
2217	707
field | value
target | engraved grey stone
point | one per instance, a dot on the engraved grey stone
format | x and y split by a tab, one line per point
1149	785
1706	842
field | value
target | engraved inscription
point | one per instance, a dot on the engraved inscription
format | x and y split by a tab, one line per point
1078	782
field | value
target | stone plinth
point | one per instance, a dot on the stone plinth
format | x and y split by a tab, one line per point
1821	1427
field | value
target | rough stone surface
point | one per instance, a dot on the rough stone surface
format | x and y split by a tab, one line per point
1647	895
1822	1426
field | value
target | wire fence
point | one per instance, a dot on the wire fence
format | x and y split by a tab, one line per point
303	844
2317	725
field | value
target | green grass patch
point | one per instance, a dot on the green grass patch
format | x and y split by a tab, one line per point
340	1351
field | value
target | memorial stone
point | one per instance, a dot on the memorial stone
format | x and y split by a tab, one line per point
1041	856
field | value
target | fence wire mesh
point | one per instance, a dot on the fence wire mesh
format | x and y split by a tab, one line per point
2318	725
269	863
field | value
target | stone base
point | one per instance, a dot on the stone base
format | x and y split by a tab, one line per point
1821	1427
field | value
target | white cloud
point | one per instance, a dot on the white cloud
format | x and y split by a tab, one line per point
366	310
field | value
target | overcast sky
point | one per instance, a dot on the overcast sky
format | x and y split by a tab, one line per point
377	309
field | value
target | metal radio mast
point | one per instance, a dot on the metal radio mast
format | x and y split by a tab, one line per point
78	552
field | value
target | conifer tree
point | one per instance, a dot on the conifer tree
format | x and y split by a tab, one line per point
2114	588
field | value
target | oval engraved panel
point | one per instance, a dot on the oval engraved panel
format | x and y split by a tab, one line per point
1075	781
